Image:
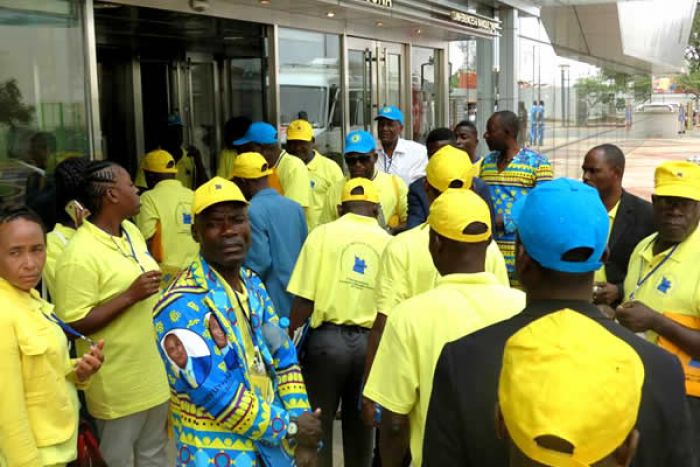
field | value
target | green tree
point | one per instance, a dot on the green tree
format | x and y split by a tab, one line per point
12	110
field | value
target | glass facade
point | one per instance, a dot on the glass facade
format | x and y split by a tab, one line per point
309	85
424	86
43	117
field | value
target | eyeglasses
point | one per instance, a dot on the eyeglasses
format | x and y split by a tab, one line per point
357	159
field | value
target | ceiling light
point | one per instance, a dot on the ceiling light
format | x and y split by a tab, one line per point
330	14
264	2
418	31
379	24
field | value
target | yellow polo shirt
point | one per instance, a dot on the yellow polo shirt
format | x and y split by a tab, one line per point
185	172
401	378
407	268
96	267
337	269
294	179
600	275
225	167
675	286
56	242
166	216
324	173
393	198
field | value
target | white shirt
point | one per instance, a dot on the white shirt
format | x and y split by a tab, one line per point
408	161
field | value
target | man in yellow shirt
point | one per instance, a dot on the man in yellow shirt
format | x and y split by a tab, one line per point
361	159
333	283
289	177
323	172
234	128
466	299
165	218
662	287
407	268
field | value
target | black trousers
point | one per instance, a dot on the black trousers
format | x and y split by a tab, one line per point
333	367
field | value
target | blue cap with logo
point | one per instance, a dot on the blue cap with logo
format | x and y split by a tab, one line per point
260	133
559	216
390	113
359	141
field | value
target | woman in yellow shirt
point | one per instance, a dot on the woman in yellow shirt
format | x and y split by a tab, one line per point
38	400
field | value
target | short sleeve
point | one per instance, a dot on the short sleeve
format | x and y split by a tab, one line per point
147	218
304	277
496	264
393	380
296	183
402	192
330	207
392	281
77	289
544	171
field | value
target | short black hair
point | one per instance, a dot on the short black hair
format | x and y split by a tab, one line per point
613	155
235	128
69	178
20	212
509	122
440	134
468	124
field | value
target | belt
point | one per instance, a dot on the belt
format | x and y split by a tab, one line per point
347	328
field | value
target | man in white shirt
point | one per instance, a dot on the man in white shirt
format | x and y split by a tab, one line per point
395	155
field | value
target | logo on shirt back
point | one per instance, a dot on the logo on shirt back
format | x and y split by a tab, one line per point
664	285
359	266
187	218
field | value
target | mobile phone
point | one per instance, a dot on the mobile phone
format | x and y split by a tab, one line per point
76	211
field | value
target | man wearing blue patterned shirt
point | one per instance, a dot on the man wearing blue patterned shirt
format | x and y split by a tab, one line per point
511	172
238	397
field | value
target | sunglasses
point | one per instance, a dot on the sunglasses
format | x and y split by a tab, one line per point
357	159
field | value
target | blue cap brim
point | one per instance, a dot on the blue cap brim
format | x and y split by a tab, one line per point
241	141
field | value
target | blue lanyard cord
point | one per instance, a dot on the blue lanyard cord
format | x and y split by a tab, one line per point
131	247
642	280
68	329
391	161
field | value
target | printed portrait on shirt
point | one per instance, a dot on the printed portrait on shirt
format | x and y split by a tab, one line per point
188	354
218	335
360	263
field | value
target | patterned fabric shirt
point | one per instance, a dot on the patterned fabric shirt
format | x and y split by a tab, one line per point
220	413
525	171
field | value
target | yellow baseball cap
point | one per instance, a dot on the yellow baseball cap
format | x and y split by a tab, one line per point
160	162
454	210
678	178
368	192
565	376
250	165
300	130
215	191
448	165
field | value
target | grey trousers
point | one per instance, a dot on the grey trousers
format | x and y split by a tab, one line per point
333	367
139	439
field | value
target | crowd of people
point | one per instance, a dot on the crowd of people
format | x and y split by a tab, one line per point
447	309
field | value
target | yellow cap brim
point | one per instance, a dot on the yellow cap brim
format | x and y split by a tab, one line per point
678	190
160	171
200	209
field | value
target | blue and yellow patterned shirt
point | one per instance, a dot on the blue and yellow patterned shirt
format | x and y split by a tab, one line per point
525	171
222	411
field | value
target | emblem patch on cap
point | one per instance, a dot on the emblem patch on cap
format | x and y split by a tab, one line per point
355	138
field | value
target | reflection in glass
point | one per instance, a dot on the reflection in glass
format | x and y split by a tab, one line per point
42	100
246	85
393	85
309	80
359	77
424	92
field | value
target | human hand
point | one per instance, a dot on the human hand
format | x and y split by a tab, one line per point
607	311
368	412
636	316
144	286
605	293
90	362
306	457
500	223
309	429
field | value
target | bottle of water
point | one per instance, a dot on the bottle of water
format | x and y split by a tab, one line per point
275	335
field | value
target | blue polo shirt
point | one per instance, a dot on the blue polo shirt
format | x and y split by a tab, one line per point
278	230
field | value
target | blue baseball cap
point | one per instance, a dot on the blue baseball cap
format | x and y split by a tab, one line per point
359	141
260	133
390	113
559	216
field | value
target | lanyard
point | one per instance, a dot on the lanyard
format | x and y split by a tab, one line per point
68	329
642	280
391	161
131	247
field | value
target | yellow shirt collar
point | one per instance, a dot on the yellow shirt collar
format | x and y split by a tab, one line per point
693	241
352	217
477	278
613	212
32	300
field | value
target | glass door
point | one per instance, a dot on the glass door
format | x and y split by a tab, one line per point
375	79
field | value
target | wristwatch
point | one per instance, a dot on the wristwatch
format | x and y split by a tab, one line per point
292	427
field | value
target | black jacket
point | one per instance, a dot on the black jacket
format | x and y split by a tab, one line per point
633	222
460	426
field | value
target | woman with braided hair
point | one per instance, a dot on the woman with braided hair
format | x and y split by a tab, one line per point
68	177
106	286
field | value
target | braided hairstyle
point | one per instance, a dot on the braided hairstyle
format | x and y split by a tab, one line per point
97	178
69	178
